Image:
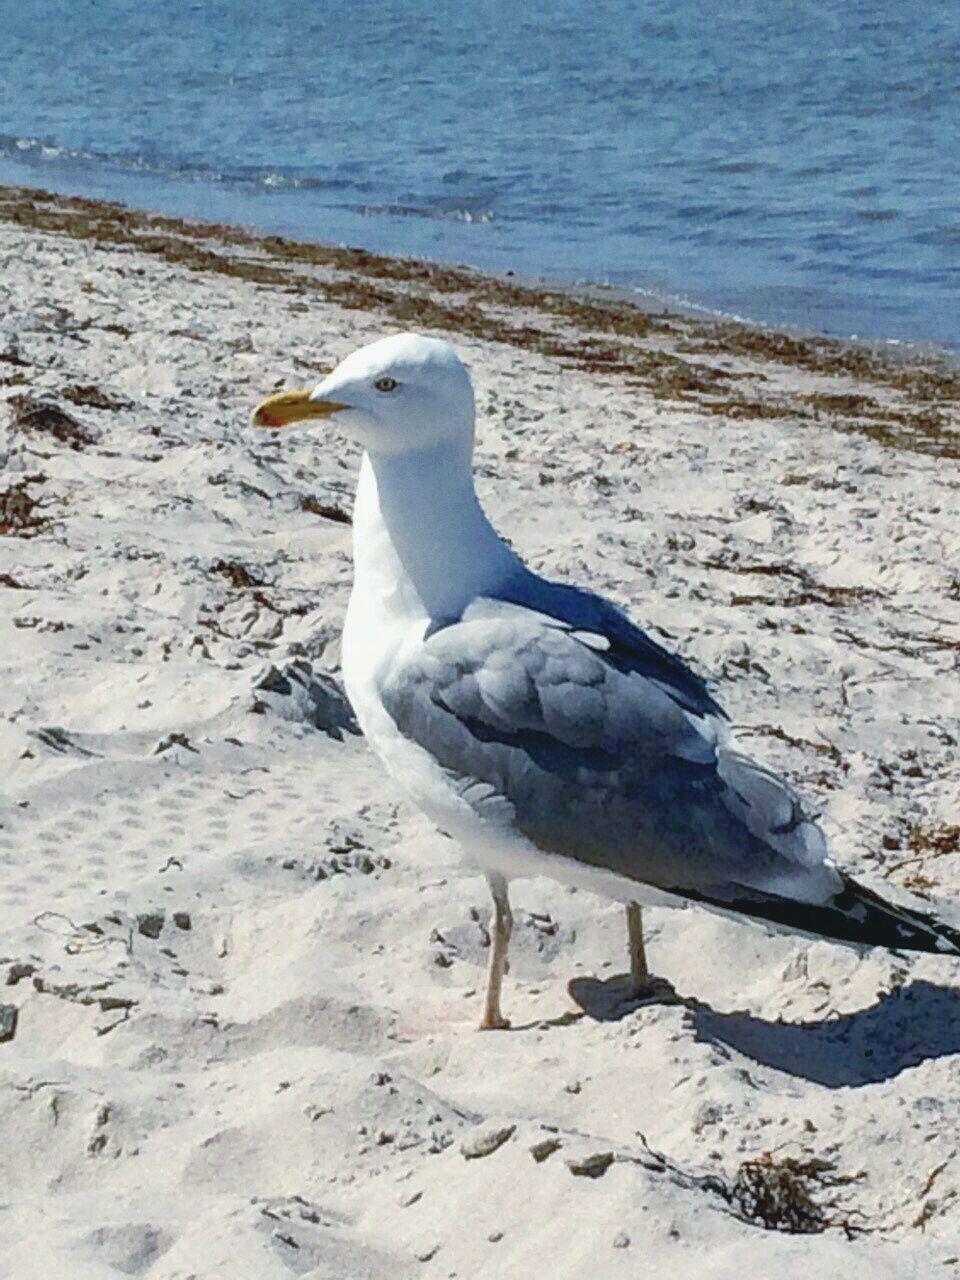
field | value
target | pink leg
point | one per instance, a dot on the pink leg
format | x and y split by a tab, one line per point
501	926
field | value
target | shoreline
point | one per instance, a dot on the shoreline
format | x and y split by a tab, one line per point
681	356
183	204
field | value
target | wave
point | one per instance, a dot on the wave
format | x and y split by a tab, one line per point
40	151
418	211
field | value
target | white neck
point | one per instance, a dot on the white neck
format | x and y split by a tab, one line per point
422	545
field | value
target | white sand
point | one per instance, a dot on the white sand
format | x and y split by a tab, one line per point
245	971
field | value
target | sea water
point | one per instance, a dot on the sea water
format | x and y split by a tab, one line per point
788	161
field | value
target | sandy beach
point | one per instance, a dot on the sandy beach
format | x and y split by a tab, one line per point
242	973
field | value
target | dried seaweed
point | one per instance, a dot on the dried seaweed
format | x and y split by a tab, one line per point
325	509
800	744
19	509
810	591
780	1194
240	576
739	408
48	419
928	381
95	398
816	593
934	842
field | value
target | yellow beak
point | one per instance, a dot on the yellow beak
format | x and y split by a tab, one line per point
288	407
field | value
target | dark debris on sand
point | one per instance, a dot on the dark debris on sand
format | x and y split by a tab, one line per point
43	417
783	1193
20	509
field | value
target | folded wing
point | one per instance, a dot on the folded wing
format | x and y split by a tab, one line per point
602	759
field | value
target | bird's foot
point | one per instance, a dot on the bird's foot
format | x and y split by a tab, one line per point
494	1022
651	990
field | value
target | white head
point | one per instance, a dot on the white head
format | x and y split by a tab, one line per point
401	394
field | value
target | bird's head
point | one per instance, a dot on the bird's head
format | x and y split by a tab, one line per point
400	394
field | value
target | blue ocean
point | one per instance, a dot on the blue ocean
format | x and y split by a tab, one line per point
793	162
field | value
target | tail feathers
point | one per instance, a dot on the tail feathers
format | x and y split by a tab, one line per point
855	915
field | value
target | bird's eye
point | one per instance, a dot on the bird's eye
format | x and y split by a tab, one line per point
386	384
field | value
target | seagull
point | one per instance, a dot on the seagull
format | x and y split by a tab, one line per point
531	720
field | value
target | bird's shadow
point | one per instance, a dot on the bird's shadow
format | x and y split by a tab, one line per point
903	1028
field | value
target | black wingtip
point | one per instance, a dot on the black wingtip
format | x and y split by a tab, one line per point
855	915
888	924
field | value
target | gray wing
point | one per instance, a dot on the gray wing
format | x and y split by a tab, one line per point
626	647
606	765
